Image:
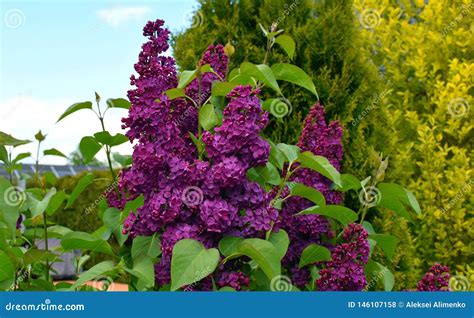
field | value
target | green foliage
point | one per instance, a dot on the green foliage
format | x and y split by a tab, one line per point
425	50
83	215
328	48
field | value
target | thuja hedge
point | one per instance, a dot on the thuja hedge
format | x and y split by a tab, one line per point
329	49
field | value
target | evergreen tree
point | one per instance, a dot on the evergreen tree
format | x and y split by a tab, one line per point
327	48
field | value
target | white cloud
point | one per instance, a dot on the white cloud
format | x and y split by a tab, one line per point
118	15
22	116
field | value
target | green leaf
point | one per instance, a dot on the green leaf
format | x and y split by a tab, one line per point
340	213
320	164
89	147
7	269
227	289
387	243
191	262
94	272
39	207
39	136
267	174
74	108
368	227
186	77
295	75
148	246
291	152
175	93
300	190
80	186
105	138
144	270
4	154
314	253
9	140
397	198
264	253
54	152
85	241
111	218
412	202
222	88
123	160
349	182
377	271
200	146
207	117
261	72
21	156
287	43
228	245
281	242
37	256
118	103
277	158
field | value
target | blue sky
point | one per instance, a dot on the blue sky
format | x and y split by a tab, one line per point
56	53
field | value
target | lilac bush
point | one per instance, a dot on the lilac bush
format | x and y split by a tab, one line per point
210	180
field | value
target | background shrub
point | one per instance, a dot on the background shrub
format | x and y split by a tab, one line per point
328	48
424	49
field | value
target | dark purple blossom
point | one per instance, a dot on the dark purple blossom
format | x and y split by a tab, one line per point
345	270
436	279
323	140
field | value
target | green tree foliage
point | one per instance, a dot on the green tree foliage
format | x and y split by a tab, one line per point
425	50
327	47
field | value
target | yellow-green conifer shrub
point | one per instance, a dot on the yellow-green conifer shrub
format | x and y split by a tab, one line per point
424	51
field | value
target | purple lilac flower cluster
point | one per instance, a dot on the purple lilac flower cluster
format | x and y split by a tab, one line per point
324	140
436	279
345	271
165	165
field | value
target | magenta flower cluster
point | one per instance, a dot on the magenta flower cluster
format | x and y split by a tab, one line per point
436	279
345	271
185	197
323	140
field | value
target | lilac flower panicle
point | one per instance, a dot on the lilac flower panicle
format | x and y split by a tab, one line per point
345	270
436	279
324	140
